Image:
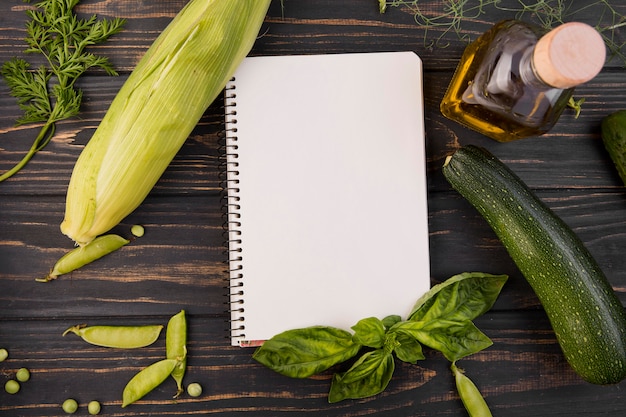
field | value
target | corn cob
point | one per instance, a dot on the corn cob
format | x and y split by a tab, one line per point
156	109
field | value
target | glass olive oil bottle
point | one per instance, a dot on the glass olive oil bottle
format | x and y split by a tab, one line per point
515	80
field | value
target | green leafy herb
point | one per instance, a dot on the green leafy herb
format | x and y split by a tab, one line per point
467	296
454	339
301	353
448	16
441	319
48	93
369	376
576	105
370	332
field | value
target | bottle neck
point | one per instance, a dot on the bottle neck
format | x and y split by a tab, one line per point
528	73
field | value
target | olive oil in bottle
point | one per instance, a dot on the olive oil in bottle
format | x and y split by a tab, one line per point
515	80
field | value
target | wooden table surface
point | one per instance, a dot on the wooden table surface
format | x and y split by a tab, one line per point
179	263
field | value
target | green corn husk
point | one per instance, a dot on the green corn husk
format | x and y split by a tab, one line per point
156	109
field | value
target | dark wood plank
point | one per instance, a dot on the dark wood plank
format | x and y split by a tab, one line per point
577	158
302	26
179	263
182	253
522	374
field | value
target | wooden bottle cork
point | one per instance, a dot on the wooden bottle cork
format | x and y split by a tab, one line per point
569	55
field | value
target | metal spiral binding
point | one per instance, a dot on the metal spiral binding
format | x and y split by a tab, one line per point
231	216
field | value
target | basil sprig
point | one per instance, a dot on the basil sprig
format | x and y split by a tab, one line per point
441	319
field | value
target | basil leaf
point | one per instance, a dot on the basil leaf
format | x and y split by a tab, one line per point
369	376
391	320
460	298
300	353
369	332
409	349
455	340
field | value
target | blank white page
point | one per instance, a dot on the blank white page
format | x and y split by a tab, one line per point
332	221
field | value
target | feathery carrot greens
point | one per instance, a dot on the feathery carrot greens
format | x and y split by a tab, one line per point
48	93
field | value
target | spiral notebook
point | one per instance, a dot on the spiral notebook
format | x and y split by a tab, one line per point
326	191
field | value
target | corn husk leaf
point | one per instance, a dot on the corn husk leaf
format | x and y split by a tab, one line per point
156	109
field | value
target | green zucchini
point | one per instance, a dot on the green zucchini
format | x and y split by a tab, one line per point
613	128
587	317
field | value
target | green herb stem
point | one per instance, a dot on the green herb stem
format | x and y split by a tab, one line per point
43	138
448	16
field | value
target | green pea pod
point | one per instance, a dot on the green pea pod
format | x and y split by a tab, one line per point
125	337
176	347
473	400
82	255
146	380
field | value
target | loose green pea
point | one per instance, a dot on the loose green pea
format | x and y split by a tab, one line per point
194	389
3	354
22	375
12	386
137	230
146	380
125	337
176	347
470	395
70	406
93	407
82	255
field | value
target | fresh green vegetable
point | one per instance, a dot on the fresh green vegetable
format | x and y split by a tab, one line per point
94	408
4	354
587	317
473	400
12	386
159	105
613	131
146	380
176	347
137	230
441	319
173	365
70	406
194	389
124	337
22	375
49	94
83	255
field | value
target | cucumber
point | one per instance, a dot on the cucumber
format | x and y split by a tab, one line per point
587	317
613	128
